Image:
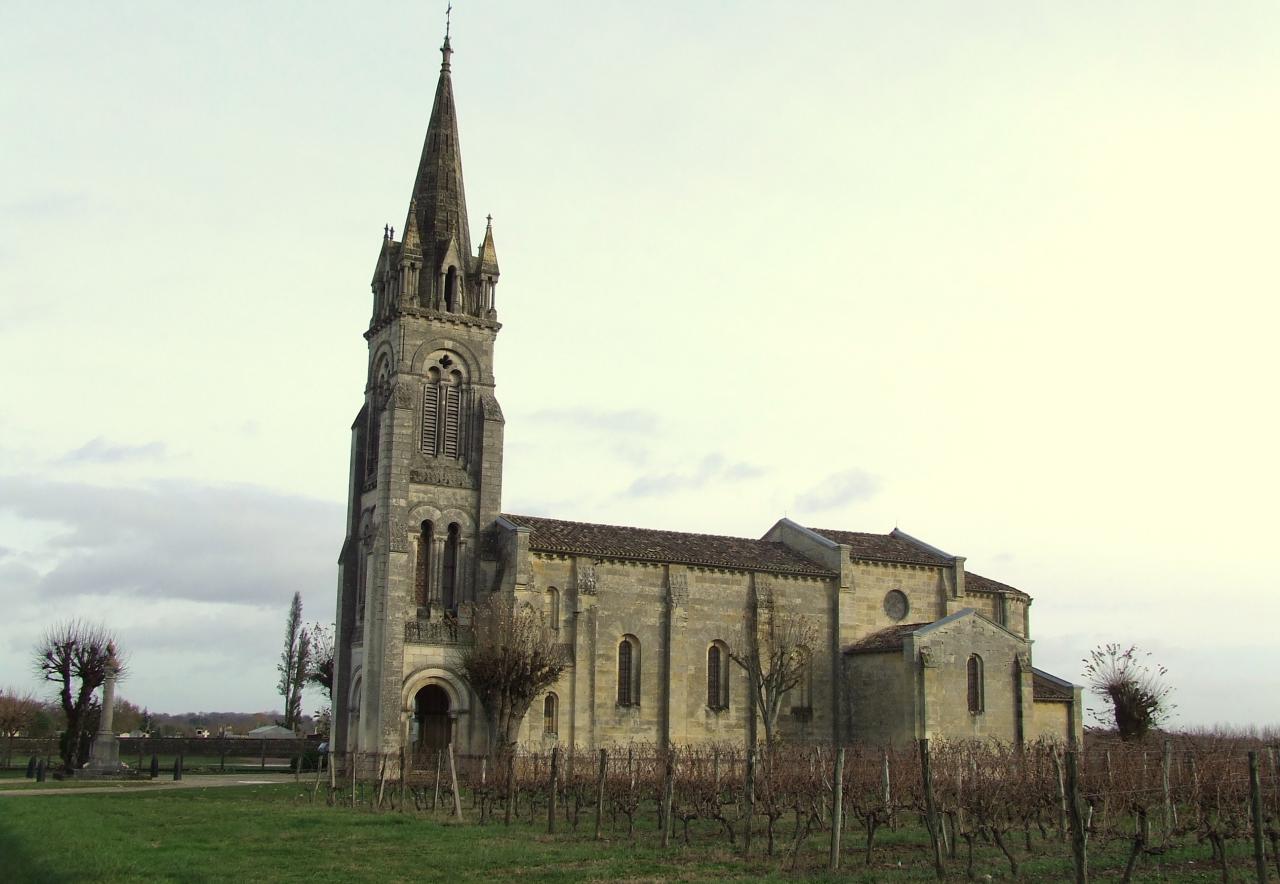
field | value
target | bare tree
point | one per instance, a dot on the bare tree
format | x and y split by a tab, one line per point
293	665
1136	694
513	659
774	647
17	713
75	656
321	669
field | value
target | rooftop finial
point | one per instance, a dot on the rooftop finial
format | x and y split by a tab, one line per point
445	50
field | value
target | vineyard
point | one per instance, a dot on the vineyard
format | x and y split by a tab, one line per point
807	805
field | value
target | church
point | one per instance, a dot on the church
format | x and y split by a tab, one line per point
910	644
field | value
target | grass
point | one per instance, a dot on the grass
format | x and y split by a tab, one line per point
275	833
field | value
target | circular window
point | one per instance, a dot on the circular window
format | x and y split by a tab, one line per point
895	604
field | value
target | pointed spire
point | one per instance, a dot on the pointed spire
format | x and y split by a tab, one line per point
412	241
488	254
438	194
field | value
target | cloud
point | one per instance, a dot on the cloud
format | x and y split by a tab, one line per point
837	490
99	450
177	540
712	468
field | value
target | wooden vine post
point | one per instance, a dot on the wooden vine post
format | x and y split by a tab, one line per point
1079	852
604	770
457	796
837	809
551	798
931	810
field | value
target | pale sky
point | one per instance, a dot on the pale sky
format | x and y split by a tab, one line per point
1001	274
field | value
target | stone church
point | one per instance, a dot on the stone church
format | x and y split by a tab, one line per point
911	643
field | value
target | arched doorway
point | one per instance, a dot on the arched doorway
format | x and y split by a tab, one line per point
431	709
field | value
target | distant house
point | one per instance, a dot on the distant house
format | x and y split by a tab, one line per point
202	732
272	732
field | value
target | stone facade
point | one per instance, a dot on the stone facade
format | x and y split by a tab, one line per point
898	622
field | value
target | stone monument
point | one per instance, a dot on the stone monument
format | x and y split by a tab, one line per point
104	758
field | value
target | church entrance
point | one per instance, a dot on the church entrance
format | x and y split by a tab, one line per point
435	729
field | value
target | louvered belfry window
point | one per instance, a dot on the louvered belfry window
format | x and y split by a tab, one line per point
443	412
452	420
430	417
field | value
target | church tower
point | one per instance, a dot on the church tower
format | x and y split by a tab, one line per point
425	469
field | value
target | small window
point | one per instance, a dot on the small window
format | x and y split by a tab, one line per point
451	290
449	569
550	715
422	566
717	676
553	608
629	671
976	699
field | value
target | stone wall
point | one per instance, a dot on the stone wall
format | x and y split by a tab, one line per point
944	651
882	705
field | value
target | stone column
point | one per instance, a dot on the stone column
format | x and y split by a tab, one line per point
436	596
104	759
462	575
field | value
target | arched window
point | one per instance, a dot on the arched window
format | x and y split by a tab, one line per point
449	569
553	608
550	714
976	698
422	566
718	676
629	671
443	409
373	432
451	290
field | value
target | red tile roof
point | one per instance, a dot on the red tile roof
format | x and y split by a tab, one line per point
883	548
891	639
649	545
986	584
1050	688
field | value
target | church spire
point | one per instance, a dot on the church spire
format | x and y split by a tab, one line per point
438	194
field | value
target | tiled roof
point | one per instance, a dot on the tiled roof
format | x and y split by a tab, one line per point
648	545
986	584
1050	688
883	548
890	639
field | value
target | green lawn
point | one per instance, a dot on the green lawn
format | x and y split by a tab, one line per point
276	833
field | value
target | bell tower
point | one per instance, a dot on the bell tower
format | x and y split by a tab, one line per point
426	462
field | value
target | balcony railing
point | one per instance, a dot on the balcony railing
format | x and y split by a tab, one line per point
437	632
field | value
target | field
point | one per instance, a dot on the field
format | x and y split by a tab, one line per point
287	832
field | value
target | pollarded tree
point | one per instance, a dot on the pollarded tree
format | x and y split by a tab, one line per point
1136	694
775	647
514	657
75	656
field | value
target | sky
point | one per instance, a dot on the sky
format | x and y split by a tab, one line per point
1001	274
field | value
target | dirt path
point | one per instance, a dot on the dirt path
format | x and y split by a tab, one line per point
187	782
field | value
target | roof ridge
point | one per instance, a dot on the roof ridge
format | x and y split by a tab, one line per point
653	530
